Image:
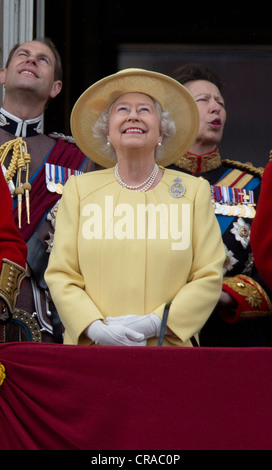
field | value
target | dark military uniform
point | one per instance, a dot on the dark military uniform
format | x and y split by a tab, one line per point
235	189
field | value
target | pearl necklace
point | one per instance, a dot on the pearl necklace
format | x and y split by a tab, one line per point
144	186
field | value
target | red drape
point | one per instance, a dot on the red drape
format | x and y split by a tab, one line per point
57	397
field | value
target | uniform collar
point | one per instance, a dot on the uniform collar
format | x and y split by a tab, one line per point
18	127
199	163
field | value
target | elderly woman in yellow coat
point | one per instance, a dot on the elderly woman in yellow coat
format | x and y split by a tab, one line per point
135	237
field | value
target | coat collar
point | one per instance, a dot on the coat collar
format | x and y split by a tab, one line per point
199	163
18	127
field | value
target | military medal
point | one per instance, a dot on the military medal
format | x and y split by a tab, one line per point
50	178
233	202
51	216
247	213
225	209
177	189
241	231
242	210
50	242
56	177
231	211
59	188
252	211
51	186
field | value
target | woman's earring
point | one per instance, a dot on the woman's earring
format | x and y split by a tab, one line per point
108	143
159	144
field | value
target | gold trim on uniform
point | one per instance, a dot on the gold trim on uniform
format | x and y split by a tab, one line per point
199	163
11	277
250	290
30	323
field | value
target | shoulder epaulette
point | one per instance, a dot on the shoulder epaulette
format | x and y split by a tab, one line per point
244	167
67	138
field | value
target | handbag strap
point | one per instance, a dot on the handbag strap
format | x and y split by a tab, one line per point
163	328
163	324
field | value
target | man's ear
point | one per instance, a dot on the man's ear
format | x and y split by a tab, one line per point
3	72
56	88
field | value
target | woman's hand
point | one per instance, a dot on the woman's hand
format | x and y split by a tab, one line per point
148	325
114	334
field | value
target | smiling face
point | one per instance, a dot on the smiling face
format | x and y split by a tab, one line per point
134	124
31	69
212	114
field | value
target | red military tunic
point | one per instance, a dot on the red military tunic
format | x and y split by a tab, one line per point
261	230
12	246
13	254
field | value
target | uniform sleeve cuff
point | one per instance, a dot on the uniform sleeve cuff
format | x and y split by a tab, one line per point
11	278
253	302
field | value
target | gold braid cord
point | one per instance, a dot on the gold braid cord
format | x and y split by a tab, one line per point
244	167
20	159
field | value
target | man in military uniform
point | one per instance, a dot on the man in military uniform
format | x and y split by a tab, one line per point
242	316
36	167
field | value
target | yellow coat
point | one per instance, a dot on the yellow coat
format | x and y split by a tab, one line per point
107	261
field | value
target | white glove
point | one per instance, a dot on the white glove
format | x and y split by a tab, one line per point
148	325
114	335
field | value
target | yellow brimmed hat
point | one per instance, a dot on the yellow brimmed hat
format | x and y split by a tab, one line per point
172	96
